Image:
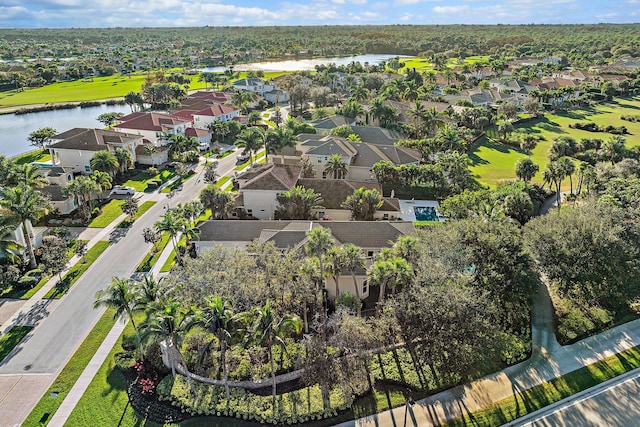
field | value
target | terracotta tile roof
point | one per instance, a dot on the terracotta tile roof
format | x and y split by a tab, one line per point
150	121
216	110
184	114
91	139
196	132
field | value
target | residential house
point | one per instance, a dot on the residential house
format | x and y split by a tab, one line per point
359	157
75	148
370	236
59	178
156	128
214	113
260	185
331	122
335	192
254	84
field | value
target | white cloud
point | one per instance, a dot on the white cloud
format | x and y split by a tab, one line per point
449	10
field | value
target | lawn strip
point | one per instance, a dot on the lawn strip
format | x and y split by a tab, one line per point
151	258
527	401
48	405
110	211
75	272
12	338
126	223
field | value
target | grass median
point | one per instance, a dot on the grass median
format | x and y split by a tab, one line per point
141	210
527	401
110	211
75	272
12	338
52	399
151	257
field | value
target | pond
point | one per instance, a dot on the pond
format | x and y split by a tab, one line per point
305	64
14	129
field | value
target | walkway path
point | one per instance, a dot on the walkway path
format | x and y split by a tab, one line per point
549	360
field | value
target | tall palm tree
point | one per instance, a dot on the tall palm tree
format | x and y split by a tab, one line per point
395	272
150	150
318	243
104	161
218	318
334	261
26	205
336	167
125	159
353	260
103	179
219	201
81	189
268	330
172	224
281	138
168	322
252	139
121	296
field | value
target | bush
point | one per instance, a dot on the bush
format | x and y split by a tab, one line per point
294	407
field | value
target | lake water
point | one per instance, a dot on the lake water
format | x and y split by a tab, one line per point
14	129
305	64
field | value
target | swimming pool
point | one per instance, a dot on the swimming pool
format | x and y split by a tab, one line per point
425	213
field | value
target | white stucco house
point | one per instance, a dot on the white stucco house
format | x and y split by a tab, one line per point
75	148
214	113
156	128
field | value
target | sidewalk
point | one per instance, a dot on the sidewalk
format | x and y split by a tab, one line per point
75	394
448	405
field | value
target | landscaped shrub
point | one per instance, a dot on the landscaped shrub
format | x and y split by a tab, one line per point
592	127
294	407
577	321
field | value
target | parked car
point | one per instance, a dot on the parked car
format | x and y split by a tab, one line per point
203	146
243	157
123	191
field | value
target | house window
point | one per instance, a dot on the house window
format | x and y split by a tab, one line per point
370	254
320	214
324	174
249	211
385	216
365	287
87	168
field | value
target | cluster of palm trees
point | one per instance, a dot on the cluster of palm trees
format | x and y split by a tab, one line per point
167	320
112	162
275	141
181	221
21	204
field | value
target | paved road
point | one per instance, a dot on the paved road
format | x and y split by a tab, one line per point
614	404
47	348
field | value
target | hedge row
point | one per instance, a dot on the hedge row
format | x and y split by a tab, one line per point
294	407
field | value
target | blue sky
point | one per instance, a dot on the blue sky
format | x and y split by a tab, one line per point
166	13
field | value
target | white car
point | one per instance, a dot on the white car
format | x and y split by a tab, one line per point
123	191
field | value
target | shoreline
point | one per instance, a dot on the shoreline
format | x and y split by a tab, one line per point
35	108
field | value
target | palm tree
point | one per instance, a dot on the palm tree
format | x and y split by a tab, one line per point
172	224
252	139
150	150
318	243
395	271
219	201
26	205
10	248
353	260
103	179
298	203
121	296
104	161
253	118
526	169
268	330
30	175
125	159
336	167
218	318
168	322
81	189
281	138
334	261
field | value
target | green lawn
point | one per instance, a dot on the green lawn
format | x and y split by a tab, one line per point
494	162
222	181
110	211
33	156
547	393
75	272
424	64
150	258
48	405
140	181
170	262
23	292
12	338
141	210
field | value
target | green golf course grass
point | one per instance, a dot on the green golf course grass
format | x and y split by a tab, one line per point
493	162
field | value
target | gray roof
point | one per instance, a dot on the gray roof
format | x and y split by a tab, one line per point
334	145
290	234
271	176
335	191
329	123
377	135
90	139
55	193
